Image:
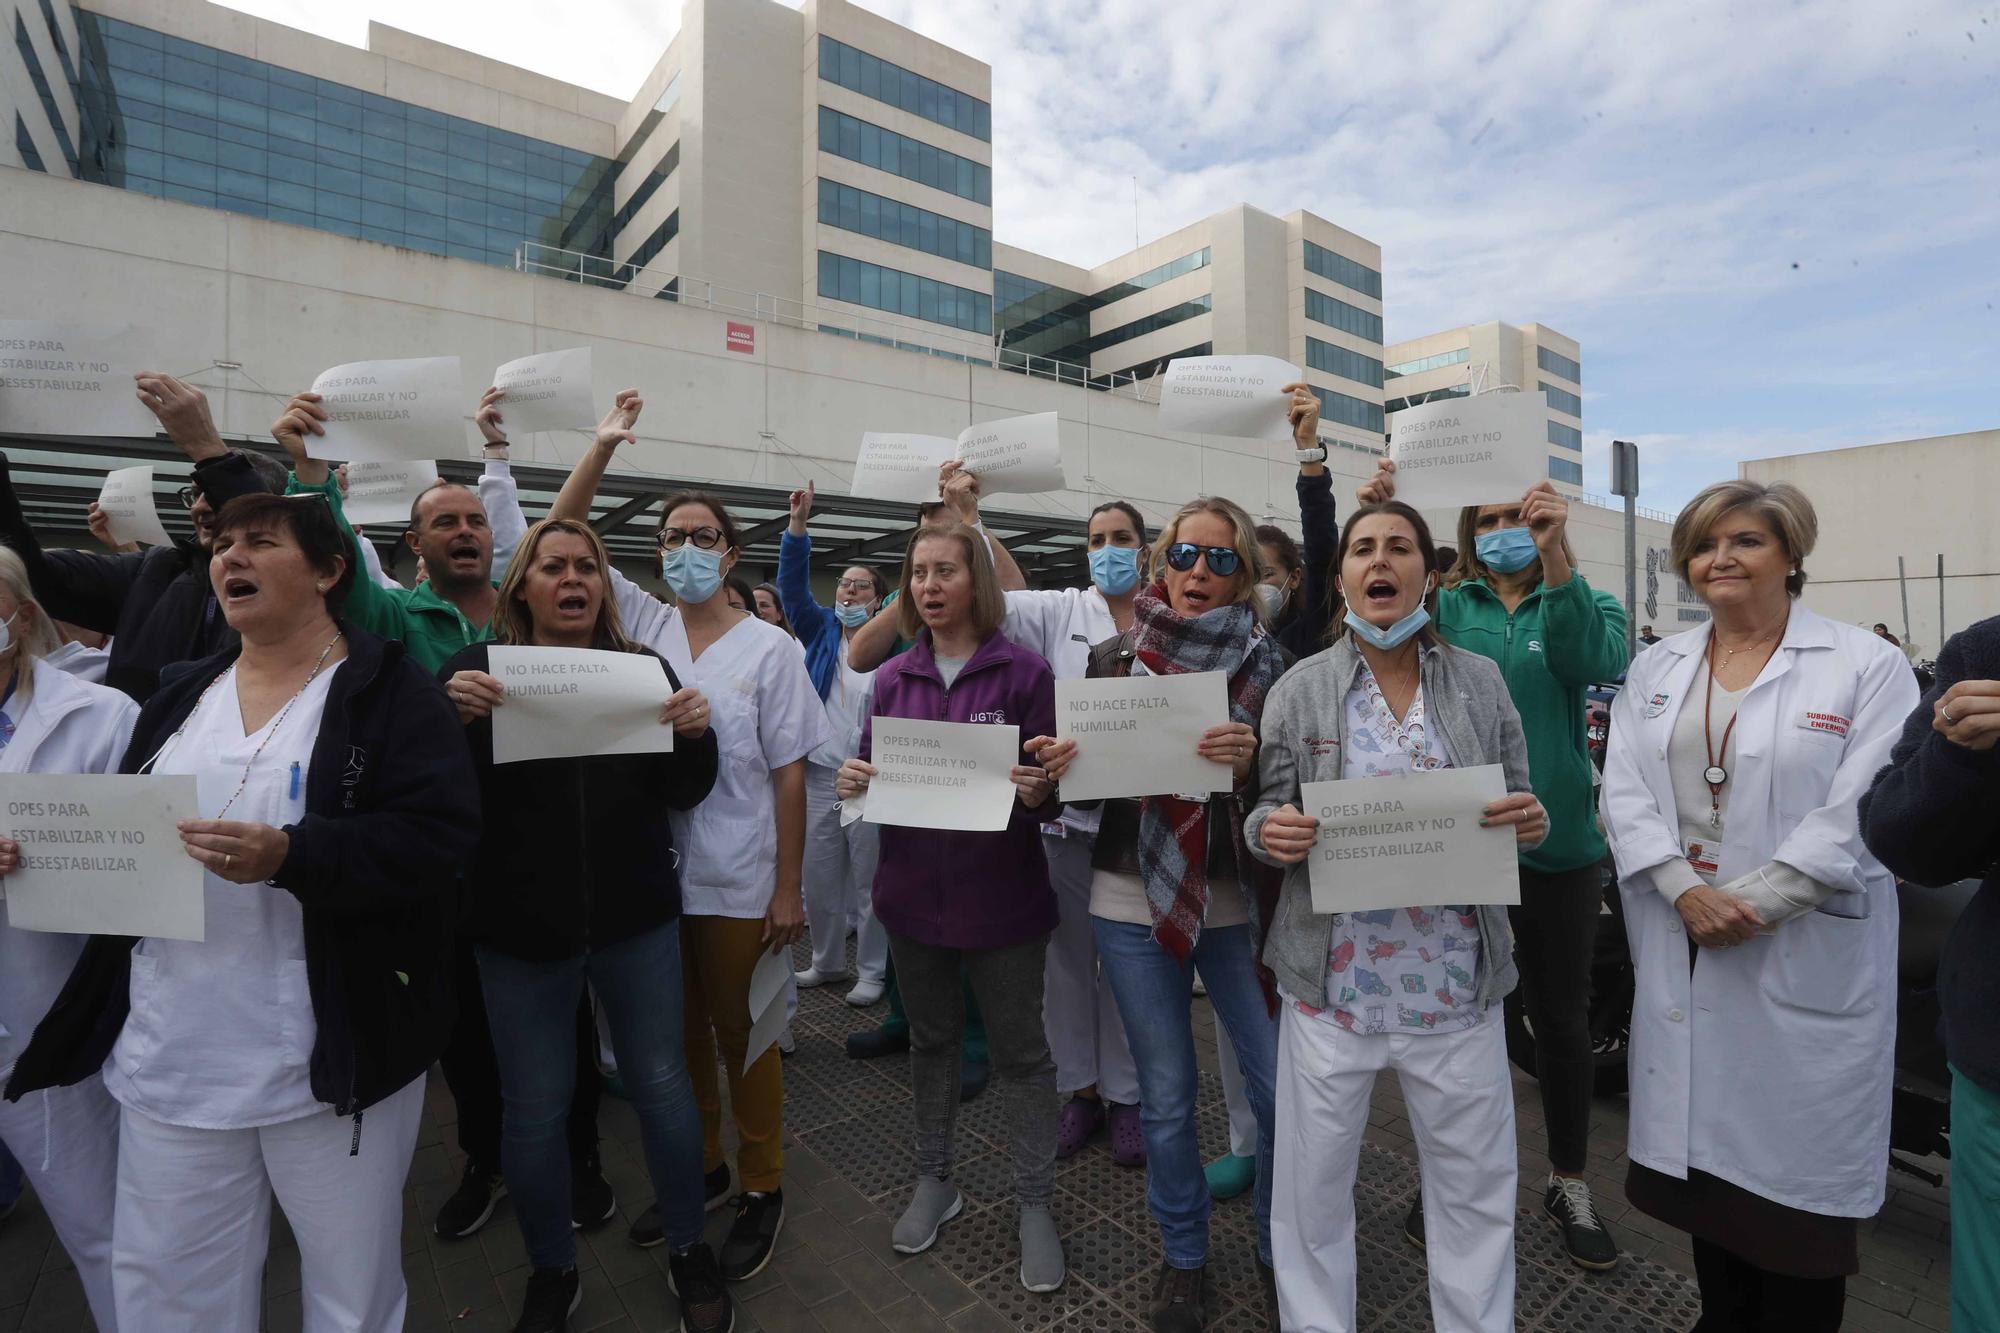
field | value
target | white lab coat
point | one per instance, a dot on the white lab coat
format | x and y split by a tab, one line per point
1063	625
1770	1066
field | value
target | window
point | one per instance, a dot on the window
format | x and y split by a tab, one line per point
1153	277
1566	469
1569	437
1347	272
1434	396
1348	411
855	210
859	283
56	38
912	159
874	77
1421	364
650	248
1324	309
654	180
1335	360
1152	323
24	144
1562	400
1558	364
26	46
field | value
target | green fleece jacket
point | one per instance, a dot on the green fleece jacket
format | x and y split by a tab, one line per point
1558	642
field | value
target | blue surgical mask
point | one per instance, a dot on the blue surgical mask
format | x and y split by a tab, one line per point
1507	551
693	574
1115	569
853	616
1394	636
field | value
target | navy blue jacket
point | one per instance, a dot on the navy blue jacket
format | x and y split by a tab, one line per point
392	812
1301	630
1933	817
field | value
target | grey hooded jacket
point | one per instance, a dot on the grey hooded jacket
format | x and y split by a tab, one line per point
1303	740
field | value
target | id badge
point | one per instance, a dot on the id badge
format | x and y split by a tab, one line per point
1705	857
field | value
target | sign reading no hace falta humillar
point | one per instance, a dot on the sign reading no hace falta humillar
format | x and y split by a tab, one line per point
1487	449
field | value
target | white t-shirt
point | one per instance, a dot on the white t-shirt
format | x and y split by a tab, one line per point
846	706
221	1032
766	714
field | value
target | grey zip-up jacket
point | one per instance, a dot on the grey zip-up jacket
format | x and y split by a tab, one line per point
1303	739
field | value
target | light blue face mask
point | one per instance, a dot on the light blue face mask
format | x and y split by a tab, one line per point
853	616
693	574
1394	636
1508	550
1115	569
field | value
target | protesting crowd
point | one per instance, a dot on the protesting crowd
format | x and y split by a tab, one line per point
385	890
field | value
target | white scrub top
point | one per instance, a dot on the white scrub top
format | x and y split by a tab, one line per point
846	705
221	1032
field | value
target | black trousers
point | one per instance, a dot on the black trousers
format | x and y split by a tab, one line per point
1739	1297
473	1075
1555	938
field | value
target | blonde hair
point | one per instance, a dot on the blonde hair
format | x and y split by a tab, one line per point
1249	559
1780	504
512	622
39	640
989	603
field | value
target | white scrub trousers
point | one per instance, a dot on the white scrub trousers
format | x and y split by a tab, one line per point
1461	1105
1235	1097
840	884
194	1219
1086	1035
66	1140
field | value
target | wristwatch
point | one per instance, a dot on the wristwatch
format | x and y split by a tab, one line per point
1316	454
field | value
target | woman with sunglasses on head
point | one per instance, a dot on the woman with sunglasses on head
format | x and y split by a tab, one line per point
1405	988
1516	596
840	856
1174	886
742	849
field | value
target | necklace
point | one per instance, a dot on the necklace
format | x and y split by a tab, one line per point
1717	774
271	729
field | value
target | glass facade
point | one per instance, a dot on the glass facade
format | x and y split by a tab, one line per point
1423	363
1558	364
172	118
859	283
647	189
24	144
26	46
1434	396
871	76
912	159
855	210
1562	400
1566	469
1335	314
1152	323
1569	437
1349	365
1153	277
56	39
1040	323
1347	272
1347	410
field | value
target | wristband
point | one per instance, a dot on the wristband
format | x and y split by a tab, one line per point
1316	454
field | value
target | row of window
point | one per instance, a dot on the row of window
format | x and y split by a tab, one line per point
872	76
1558	364
1566	469
24	144
1153	277
912	159
637	143
1042	320
861	283
1562	400
26	46
1569	437
56	39
1349	365
1347	272
1348	410
1423	363
647	189
1433	396
1336	314
1146	324
650	248
890	220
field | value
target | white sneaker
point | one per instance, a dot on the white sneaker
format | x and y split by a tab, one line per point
812	976
864	994
786	1044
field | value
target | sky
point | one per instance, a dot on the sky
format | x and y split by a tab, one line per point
1772	227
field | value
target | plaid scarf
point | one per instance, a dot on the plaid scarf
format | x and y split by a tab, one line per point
1174	833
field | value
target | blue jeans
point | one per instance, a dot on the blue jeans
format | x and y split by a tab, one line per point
532	1007
1155	998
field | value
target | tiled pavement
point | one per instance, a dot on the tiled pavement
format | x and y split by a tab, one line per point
848	1170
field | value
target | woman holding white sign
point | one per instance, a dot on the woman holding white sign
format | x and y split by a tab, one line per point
1410	988
339	802
66	1139
979	901
1173	886
742	849
541	931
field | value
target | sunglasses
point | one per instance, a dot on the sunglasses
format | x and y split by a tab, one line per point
187	495
1222	560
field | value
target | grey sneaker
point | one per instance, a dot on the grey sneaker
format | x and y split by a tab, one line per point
1042	1267
935	1203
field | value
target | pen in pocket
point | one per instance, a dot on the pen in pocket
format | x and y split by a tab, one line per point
295	781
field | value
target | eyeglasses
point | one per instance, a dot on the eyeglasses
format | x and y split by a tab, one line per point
187	495
855	585
707	539
1222	560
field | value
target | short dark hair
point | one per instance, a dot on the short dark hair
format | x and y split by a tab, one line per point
308	521
417	505
1270	534
741	587
1426	547
268	469
929	510
1126	508
709	502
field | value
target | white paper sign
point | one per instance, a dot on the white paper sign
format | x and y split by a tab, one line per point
1242	396
547	391
387	411
1017	455
67	379
565	702
1486	449
100	855
903	468
1411	841
768	983
948	775
127	502
1136	736
384	492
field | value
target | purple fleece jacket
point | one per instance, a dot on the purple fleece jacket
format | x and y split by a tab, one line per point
959	890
